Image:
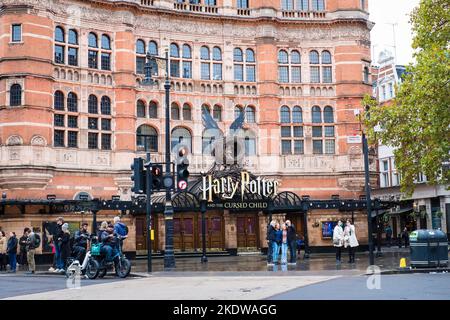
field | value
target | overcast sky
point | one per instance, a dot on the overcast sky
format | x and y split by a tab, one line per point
384	13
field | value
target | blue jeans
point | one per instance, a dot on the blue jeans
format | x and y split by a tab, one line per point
109	252
58	257
293	250
275	251
12	261
284	247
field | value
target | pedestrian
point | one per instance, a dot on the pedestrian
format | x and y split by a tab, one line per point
270	240
11	250
276	244
3	246
350	240
121	229
57	238
292	242
388	231
23	250
338	240
284	243
65	247
33	242
80	242
405	237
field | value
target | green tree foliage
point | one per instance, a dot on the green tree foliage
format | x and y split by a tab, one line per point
417	123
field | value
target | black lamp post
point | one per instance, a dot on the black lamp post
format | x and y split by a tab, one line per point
169	258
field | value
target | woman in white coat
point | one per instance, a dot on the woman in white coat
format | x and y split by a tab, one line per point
350	241
338	240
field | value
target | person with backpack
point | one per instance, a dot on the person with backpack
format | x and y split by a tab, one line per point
121	229
11	250
33	242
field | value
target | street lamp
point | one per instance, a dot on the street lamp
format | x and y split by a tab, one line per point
169	258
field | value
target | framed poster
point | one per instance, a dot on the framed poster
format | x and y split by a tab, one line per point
327	229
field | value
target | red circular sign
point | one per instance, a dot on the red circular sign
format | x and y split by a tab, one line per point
182	184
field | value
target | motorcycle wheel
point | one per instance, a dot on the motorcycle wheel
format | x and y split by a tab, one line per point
123	268
102	273
92	269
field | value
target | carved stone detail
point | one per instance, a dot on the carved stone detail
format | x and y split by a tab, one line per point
38	141
14	140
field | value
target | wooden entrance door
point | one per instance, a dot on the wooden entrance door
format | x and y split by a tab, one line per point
214	231
141	235
183	232
247	231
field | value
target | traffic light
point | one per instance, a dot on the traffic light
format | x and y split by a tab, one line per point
182	168
138	176
157	177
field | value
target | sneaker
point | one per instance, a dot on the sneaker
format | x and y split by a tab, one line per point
292	263
270	264
56	270
51	269
29	272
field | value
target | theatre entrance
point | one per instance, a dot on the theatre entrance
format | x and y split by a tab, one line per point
247	230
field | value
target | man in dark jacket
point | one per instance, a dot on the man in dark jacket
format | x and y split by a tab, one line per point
80	242
292	241
58	235
23	249
11	250
270	240
110	243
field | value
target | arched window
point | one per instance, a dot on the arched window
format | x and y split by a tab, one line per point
217	113
92	40
250	55
204	53
282	57
205	108
153	110
140	47
106	42
237	111
285	114
181	136
58	101
15	95
295	57
328	116
174	50
73	36
59	34
326	57
250	116
175	111
208	139
314	57
146	138
140	109
72	102
153	48
92	104
316	115
237	55
105	105
187	54
217	54
297	115
187	112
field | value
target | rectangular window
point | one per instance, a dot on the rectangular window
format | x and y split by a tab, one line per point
326	75
106	124
283	74
93	123
175	68
73	56
106	61
72	139
250	74
140	64
59	120
238	72
93	59
242	4
92	140
72	122
106	141
250	147
299	147
303	5
329	146
217	71
286	147
16	31
385	166
187	69
329	131
296	74
385	180
317	132
285	132
298	132
205	71
315	75
59	54
58	138
391	90
317	147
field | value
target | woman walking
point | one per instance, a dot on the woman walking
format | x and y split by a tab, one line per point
276	243
350	240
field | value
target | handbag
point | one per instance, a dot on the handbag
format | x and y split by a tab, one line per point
95	249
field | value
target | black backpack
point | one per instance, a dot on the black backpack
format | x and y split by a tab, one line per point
37	240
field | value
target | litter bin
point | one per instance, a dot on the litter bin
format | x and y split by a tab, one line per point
428	248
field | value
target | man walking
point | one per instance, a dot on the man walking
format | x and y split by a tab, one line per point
292	242
33	242
11	250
